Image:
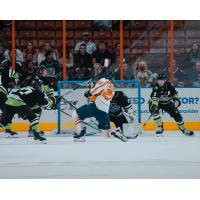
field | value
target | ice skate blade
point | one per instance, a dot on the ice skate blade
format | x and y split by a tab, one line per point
79	140
159	135
40	142
12	136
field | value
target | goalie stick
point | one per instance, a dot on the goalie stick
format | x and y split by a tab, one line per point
140	130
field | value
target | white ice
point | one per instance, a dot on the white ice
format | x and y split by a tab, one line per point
171	156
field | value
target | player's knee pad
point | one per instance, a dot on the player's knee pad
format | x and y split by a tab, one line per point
34	121
156	116
35	124
177	116
38	112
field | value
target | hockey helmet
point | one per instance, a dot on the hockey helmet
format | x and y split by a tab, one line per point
161	77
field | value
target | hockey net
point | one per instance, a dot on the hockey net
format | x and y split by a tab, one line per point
76	98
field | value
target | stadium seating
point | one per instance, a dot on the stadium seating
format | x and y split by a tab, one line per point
148	36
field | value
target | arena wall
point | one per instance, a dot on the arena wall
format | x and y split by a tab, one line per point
190	109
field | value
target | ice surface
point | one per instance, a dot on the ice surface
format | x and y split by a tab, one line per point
171	156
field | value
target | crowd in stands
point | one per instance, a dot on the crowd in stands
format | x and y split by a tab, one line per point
87	57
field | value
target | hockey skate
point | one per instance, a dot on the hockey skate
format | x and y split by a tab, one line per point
188	133
117	133
30	133
38	137
80	137
11	134
159	131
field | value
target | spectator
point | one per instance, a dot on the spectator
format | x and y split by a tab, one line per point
90	46
145	76
194	54
18	55
83	63
51	65
30	53
7	62
194	74
69	55
42	50
128	71
102	25
99	56
180	77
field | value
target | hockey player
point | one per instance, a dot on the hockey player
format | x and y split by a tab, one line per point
165	97
20	101
100	95
8	80
29	77
120	111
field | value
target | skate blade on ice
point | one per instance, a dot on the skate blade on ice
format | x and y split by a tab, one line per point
160	135
40	142
79	139
11	136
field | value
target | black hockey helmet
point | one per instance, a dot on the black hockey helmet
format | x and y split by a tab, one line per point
161	77
38	84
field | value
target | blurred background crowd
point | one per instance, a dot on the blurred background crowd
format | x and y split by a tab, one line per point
146	49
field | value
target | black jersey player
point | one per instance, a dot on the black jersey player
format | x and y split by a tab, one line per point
20	102
120	109
8	80
164	96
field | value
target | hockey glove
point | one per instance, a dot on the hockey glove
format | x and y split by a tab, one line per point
177	102
91	84
54	102
153	108
87	94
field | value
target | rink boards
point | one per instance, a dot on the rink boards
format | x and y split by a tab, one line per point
190	110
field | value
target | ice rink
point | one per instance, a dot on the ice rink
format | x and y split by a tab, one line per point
148	156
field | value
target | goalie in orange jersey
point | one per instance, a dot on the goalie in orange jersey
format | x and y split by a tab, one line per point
100	95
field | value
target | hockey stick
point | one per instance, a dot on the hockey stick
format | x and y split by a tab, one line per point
82	121
140	130
73	106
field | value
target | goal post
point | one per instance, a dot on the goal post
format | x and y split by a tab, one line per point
132	88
